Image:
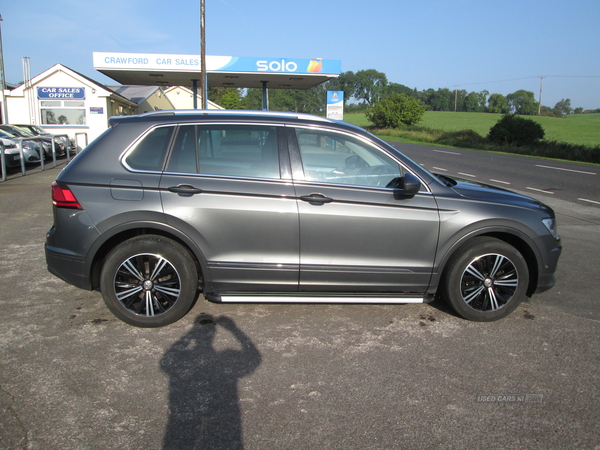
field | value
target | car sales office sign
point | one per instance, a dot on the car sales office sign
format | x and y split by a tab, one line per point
61	93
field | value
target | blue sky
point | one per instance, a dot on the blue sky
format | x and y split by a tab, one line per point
497	45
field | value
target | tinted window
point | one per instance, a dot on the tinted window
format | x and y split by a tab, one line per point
341	159
149	153
233	150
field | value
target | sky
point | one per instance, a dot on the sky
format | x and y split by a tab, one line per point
496	45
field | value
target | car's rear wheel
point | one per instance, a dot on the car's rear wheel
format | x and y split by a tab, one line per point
486	280
149	281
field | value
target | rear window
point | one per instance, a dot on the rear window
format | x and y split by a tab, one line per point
149	153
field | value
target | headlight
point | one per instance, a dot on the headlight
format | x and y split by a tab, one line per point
550	224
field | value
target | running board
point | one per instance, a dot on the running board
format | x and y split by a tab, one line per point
375	299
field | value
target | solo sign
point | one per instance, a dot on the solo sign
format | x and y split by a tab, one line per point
61	93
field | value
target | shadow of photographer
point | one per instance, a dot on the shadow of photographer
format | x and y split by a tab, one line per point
204	410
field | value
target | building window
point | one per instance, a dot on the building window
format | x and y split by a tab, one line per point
63	112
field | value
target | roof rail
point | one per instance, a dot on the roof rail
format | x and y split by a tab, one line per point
236	112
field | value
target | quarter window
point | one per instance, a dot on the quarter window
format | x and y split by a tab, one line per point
341	159
149	153
230	150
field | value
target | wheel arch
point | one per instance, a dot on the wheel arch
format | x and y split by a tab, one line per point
515	238
117	235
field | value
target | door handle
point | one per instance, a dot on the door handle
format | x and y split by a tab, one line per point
316	199
185	190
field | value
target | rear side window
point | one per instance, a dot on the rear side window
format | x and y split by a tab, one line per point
149	153
230	150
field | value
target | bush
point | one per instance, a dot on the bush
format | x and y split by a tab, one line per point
463	138
394	111
515	130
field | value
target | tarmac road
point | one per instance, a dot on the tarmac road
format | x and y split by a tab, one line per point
292	376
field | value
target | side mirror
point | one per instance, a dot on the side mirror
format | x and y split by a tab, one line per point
405	187
412	185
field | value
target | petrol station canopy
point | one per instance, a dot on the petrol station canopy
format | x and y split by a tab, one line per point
148	69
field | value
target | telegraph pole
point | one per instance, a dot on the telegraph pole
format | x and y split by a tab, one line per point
541	77
2	81
203	86
455	98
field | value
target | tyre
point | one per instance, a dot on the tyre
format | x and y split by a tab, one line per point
149	281
486	280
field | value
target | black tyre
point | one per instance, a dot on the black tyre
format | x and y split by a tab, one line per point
486	280
149	281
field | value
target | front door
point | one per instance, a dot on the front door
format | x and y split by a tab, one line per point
356	234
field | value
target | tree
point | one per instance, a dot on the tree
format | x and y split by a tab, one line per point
370	85
460	97
563	108
231	100
400	89
216	94
498	104
440	100
523	103
395	110
483	96
253	99
472	102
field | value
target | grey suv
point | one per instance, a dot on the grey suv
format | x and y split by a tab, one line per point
281	207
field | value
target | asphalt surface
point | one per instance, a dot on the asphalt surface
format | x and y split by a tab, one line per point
293	376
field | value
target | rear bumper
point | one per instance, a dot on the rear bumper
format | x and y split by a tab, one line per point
67	267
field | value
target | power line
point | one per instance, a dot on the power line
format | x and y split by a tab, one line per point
526	78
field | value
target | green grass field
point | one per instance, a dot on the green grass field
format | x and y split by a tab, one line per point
575	129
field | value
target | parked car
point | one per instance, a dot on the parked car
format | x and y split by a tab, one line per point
12	155
283	207
44	143
60	143
31	150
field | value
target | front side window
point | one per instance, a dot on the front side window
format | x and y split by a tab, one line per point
341	159
63	112
229	150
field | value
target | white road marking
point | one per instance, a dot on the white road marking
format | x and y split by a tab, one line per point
449	153
499	181
566	170
439	168
590	201
540	190
467	175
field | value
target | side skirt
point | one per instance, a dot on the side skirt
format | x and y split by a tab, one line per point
368	299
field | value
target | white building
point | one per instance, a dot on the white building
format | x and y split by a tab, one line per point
183	98
63	101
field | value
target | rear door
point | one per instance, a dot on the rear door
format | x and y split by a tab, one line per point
227	186
356	234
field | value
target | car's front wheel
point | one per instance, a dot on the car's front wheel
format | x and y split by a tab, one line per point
149	281
486	280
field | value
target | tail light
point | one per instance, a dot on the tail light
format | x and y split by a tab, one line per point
62	197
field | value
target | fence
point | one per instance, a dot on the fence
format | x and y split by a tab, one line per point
28	151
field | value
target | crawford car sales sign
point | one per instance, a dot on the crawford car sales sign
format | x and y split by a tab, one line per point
61	93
